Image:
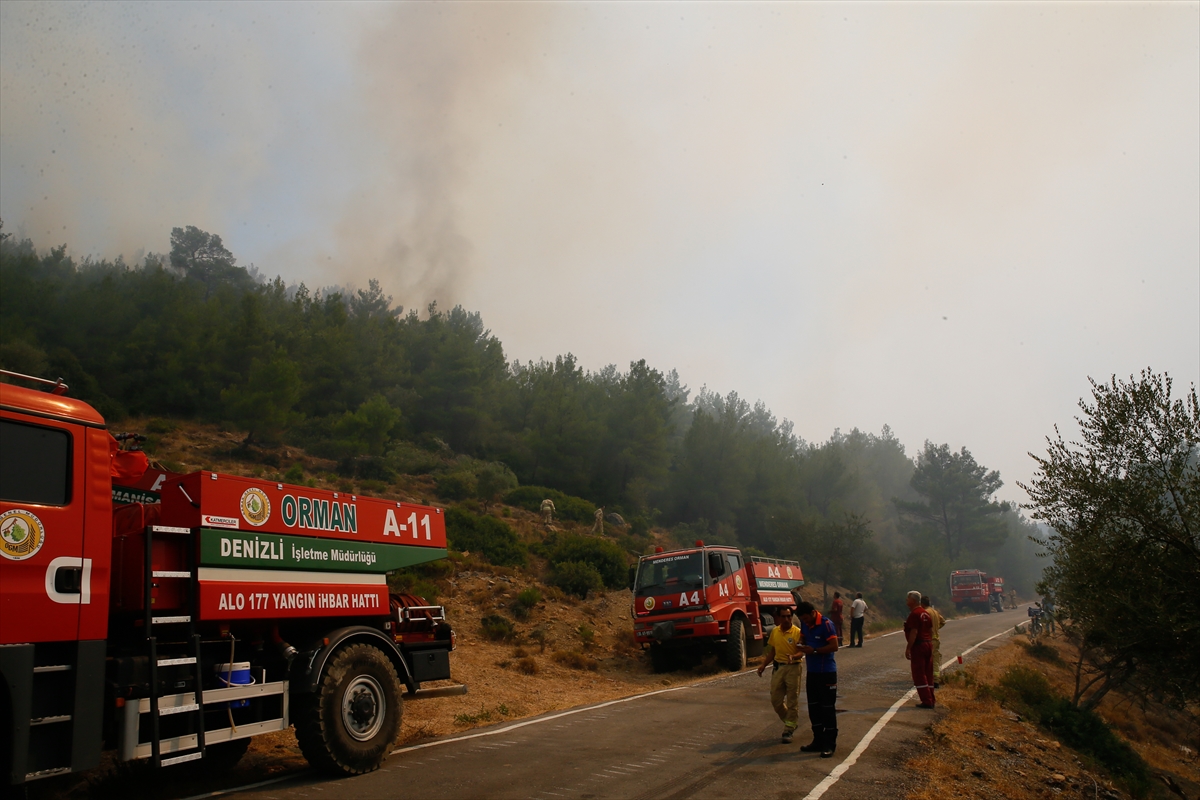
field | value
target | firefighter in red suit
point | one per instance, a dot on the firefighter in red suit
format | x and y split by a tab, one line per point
918	629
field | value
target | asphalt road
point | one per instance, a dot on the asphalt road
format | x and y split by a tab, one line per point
714	739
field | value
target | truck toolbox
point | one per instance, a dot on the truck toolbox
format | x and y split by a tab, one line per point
430	665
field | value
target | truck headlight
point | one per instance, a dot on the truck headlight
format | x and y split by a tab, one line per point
705	618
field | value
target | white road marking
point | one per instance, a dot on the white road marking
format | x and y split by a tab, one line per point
562	714
841	769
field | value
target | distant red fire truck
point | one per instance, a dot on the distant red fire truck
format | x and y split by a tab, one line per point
708	599
975	589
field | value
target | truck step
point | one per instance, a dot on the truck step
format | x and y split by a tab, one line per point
162	712
54	668
49	720
172	620
166	762
46	773
172	662
170	573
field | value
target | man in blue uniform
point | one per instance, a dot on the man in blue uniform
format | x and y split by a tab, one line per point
820	643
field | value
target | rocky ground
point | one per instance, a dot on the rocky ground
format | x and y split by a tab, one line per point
977	748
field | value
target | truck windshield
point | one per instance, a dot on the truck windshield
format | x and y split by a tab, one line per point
675	573
965	580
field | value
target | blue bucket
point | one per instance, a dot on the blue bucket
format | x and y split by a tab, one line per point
236	674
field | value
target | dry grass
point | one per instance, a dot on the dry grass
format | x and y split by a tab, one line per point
982	750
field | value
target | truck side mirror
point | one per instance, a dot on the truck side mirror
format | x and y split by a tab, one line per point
632	575
716	565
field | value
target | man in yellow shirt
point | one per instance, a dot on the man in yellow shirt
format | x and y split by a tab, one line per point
783	652
938	621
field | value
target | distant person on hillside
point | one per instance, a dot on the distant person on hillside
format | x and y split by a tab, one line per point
835	614
782	652
598	525
820	643
938	622
548	512
918	629
858	615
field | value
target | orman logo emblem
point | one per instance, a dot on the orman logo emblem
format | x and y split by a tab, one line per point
256	508
738	580
789	572
649	604
21	535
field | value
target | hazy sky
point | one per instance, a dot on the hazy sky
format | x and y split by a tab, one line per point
941	217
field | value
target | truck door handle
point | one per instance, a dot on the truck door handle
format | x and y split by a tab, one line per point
69	580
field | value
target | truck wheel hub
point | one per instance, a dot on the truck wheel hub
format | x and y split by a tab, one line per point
363	708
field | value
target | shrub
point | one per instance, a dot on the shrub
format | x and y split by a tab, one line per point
295	473
1044	652
1079	728
566	506
1084	730
529	597
1026	688
604	556
527	665
491	537
576	578
409	459
456	485
586	635
496	628
470	719
406	582
575	660
539	635
492	480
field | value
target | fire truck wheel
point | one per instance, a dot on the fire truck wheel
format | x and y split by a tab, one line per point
348	724
660	658
735	647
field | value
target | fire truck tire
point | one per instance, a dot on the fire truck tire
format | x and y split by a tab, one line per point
734	656
661	659
348	725
221	756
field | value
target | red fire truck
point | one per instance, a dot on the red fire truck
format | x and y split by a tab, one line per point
707	599
175	631
970	587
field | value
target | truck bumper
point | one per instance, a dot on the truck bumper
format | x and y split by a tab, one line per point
679	629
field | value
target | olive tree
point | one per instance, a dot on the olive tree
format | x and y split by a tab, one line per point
1123	507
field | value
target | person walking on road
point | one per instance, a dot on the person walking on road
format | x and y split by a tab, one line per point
782	652
1012	598
820	643
938	621
858	614
835	614
918	629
